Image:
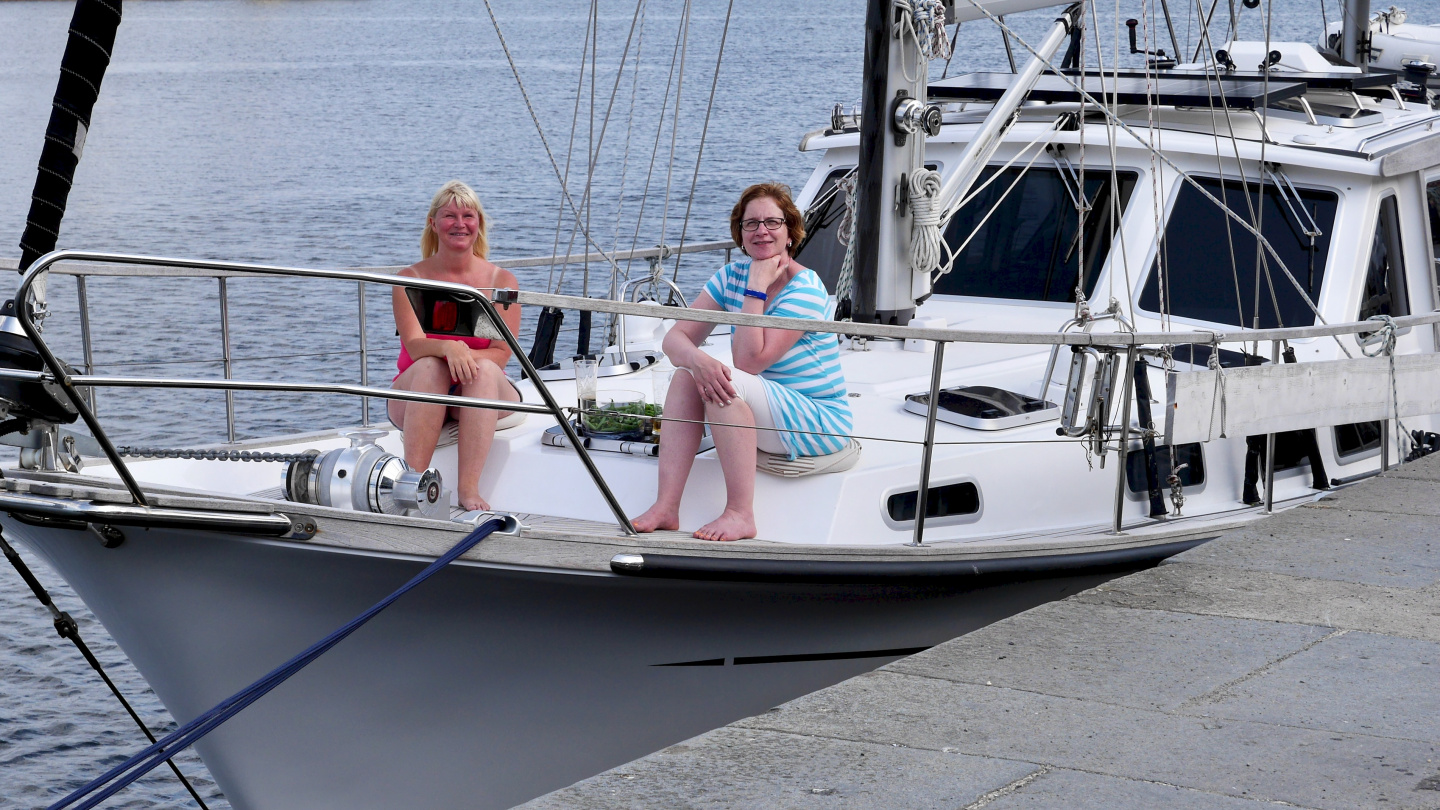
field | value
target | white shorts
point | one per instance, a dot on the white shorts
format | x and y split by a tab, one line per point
752	389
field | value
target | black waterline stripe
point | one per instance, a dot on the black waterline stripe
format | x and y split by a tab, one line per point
787	659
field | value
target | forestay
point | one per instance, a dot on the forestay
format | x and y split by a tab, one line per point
1205	405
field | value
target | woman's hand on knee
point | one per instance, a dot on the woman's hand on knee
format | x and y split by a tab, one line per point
462	363
712	378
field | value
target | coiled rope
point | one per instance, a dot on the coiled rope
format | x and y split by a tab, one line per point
845	232
115	779
927	245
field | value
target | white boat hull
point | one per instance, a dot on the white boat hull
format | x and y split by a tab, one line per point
488	685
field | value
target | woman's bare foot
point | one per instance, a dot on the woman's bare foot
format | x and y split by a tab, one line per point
731	525
474	503
657	517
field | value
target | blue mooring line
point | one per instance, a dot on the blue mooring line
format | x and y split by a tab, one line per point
115	779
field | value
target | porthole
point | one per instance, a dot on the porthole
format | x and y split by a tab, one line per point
957	502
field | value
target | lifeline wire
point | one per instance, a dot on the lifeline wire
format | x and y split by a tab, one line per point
117	778
539	130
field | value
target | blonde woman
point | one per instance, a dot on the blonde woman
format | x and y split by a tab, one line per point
447	347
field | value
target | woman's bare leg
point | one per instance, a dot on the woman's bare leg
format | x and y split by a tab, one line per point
733	427
678	445
477	431
419	422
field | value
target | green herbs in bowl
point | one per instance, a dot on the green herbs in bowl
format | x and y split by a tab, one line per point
619	417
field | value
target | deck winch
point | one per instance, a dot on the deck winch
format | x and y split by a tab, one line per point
365	478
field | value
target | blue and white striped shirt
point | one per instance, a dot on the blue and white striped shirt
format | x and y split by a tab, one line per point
806	386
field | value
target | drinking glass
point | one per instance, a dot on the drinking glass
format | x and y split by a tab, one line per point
586	372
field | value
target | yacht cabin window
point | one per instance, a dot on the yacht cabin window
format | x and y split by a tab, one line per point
1384	292
1217	281
1432	207
1021	234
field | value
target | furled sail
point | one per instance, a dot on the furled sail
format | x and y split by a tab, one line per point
87	55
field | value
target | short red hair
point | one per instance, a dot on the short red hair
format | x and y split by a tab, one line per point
780	193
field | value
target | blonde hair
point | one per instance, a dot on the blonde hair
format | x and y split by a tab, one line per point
463	196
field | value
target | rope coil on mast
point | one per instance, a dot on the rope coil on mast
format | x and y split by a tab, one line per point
927	243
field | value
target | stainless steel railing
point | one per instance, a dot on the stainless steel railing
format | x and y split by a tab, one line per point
83	269
108	264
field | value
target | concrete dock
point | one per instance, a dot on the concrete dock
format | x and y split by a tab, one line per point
1293	664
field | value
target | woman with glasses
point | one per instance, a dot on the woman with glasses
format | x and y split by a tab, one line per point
785	382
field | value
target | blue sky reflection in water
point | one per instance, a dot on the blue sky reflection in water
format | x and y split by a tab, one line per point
313	134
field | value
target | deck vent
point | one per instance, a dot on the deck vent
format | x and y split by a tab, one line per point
983	407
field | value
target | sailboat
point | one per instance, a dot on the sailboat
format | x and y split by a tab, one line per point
1090	317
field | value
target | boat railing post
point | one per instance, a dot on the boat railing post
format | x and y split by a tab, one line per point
1270	445
85	342
570	435
63	376
364	357
921	494
225	358
1123	446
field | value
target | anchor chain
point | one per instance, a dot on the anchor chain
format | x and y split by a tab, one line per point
211	455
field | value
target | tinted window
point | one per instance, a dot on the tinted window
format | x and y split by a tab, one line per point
1201	281
1385	275
821	250
1029	247
1356	438
1188	457
1432	207
951	499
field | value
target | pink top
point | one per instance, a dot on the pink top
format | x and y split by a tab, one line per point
404	361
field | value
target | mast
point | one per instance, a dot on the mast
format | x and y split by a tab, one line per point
882	265
1355	34
896	117
87	54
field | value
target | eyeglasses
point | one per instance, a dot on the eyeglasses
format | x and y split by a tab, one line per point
751	225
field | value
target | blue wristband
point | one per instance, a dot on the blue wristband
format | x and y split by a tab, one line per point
757	294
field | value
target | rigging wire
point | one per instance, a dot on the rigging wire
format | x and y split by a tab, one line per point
675	121
704	130
1206	44
655	152
625	161
1188	179
592	160
539	130
569	154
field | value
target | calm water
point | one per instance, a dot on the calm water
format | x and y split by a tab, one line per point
313	134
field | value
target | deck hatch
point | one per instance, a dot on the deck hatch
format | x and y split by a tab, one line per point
984	407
